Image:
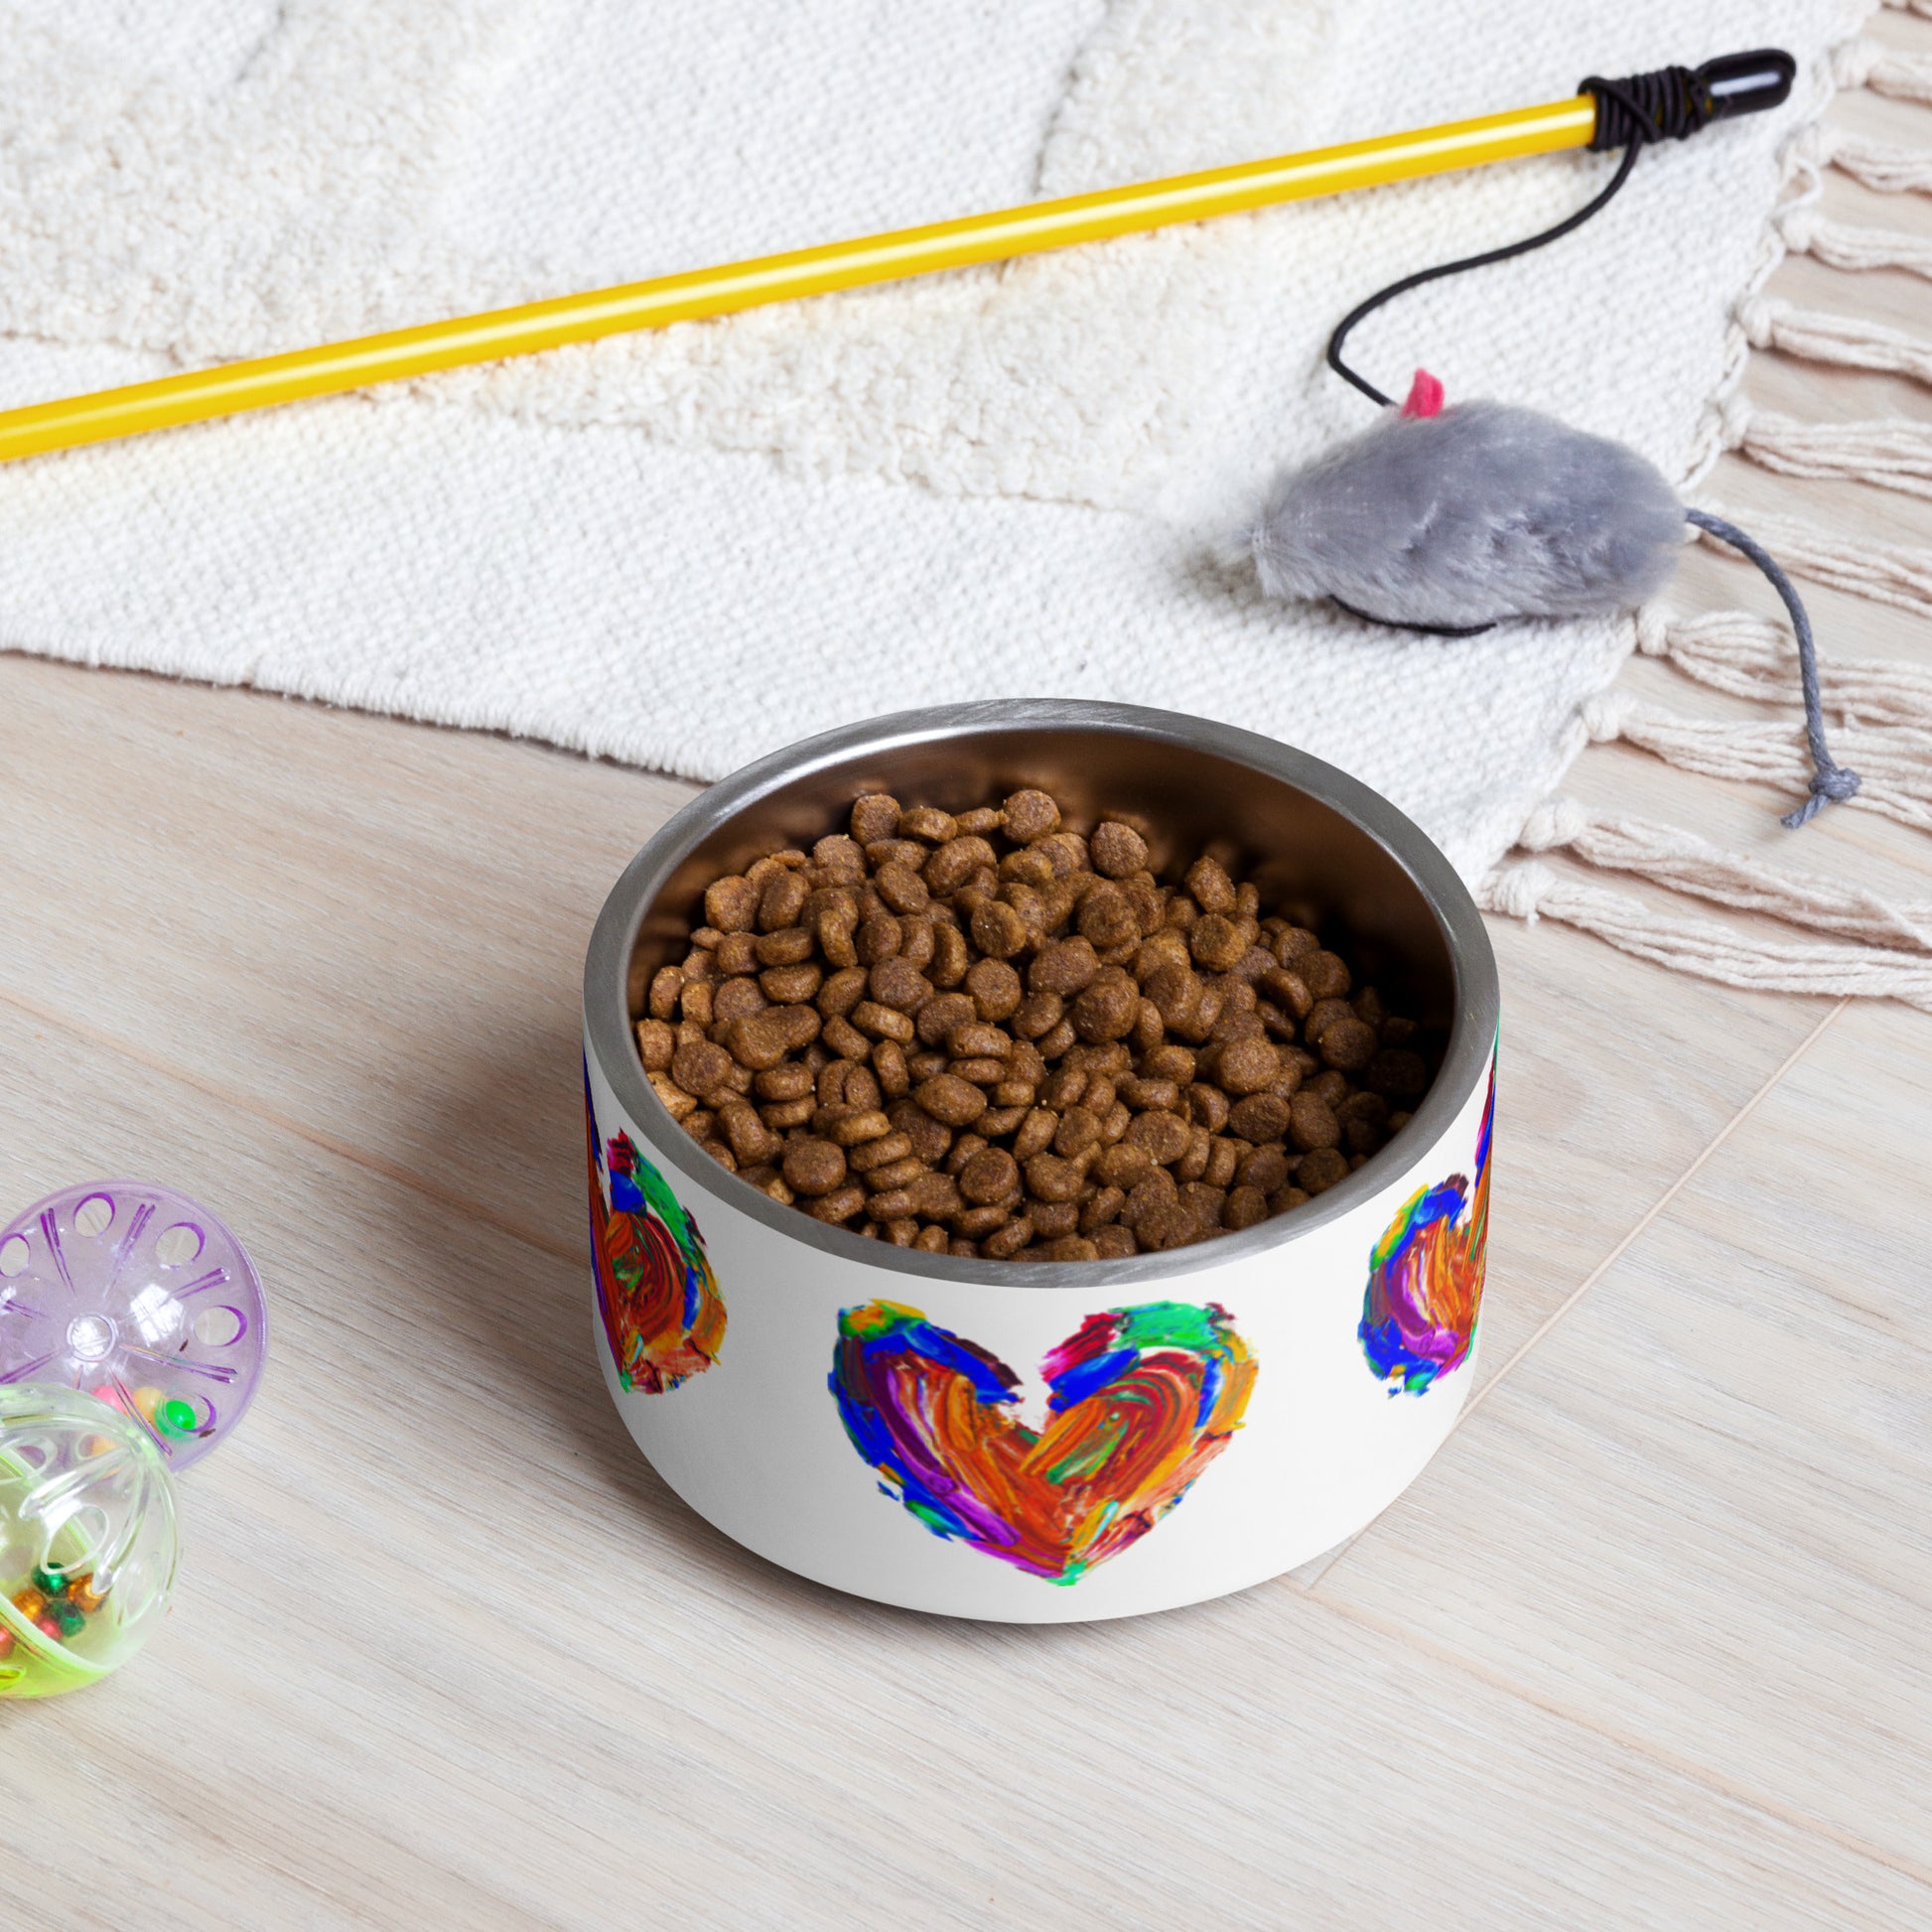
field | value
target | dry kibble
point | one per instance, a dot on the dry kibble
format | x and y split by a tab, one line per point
875	816
731	905
1348	1045
655	1044
1320	1170
1311	1123
989	1034
1209	886
813	1167
1118	850
1030	815
950	1100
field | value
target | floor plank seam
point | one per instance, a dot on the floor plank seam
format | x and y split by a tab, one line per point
1697	1772
392	1170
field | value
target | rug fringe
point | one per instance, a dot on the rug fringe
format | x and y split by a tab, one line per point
1862	62
1752	657
1896	764
1852	249
1816	336
1668	856
1871	946
1877	165
1894	453
1530	890
1887	573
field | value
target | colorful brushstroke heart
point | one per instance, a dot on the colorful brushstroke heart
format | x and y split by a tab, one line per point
1140	1402
1425	1277
663	1315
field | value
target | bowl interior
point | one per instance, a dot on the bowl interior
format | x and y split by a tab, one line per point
1320	847
1310	860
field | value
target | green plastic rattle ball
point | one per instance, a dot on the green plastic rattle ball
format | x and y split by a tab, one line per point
87	1539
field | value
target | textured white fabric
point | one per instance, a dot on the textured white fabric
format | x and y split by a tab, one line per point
687	548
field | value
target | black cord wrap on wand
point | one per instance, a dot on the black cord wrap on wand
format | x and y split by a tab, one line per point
1670	104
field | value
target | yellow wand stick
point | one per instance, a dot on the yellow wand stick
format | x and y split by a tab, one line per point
1738	85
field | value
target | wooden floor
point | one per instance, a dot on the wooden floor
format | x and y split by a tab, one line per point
1647	1645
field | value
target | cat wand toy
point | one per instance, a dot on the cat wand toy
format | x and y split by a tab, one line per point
1721	90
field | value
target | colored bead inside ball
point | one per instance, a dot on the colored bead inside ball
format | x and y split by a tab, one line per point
87	1539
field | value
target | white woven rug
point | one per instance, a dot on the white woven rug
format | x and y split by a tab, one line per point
683	550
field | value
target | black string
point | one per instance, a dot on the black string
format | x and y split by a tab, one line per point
1670	104
1628	102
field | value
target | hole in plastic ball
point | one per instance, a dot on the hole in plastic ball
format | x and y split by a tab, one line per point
93	1215
220	1327
15	1254
176	1246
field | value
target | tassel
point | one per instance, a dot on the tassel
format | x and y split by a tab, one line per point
1896	454
1815	336
1687	864
1867	64
1878	165
1530	890
1752	657
1886	573
1839	244
1895	765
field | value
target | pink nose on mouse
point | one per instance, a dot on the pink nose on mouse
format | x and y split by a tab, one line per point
1425	396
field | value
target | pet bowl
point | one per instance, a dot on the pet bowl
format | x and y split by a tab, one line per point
1048	1441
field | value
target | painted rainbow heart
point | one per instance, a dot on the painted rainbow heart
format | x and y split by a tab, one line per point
663	1315
1425	1277
1140	1401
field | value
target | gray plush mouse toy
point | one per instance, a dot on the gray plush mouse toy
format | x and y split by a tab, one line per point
1452	519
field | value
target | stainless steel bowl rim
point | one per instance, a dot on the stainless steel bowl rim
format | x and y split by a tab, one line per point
1471	1038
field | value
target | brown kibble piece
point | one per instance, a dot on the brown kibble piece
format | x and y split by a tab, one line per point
813	1167
1117	850
1167	1226
950	1100
1030	815
901	889
929	823
700	1067
1248	1066
870	1125
991	1175
1349	1046
1326	975
1066	966
1320	1170
731	904
781	901
657	1043
1051	1179
1243	1208
1216	942
1210	888
1108	1008
1164	1137
1107	918
998	929
875	816
898	984
1259	1117
995	989
1311	1123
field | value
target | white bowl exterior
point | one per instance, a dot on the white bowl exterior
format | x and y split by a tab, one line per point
755	1444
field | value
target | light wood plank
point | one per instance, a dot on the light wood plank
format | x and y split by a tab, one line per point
445	1652
1696	1513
